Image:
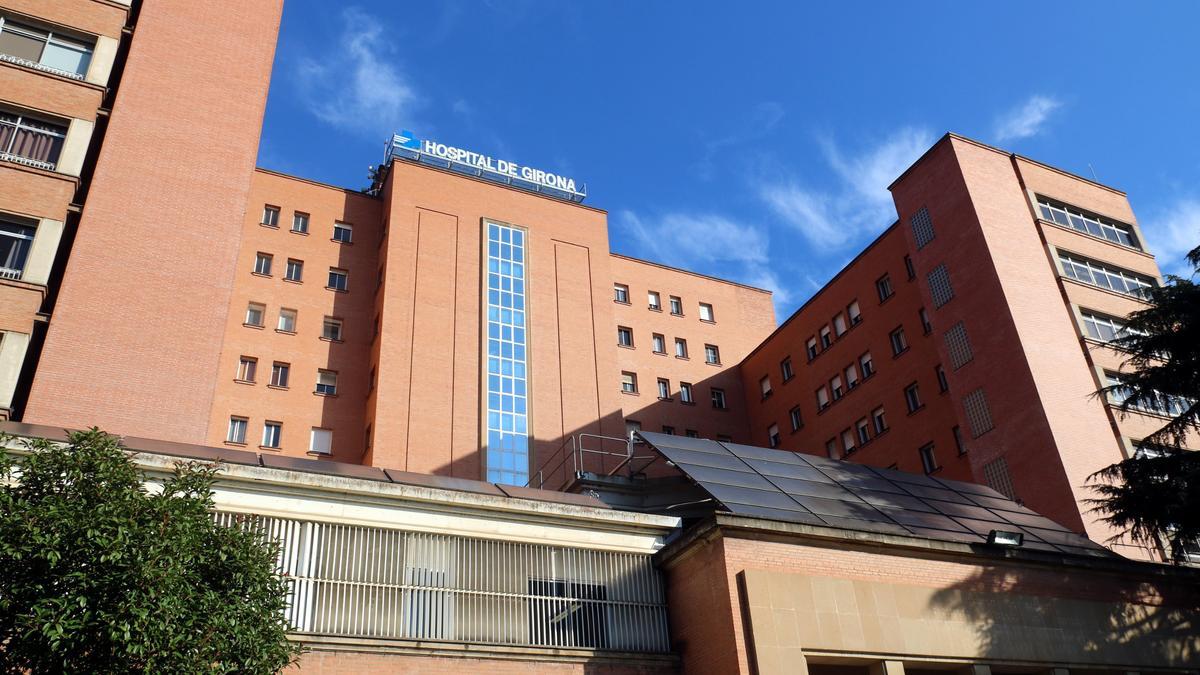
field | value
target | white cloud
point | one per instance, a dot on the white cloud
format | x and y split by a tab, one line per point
1173	232
760	121
355	85
858	202
1027	119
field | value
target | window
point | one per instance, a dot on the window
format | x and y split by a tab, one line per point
1069	216
831	448
922	227
979	416
247	369
691	433
371	380
624	336
320	441
912	397
676	305
271	433
835	385
928	462
664	389
822	398
785	369
270	216
899	342
26	140
337	279
300	223
287	321
958	346
773	436
866	365
795	419
724	438
279	374
295	270
996	476
343	232
685	392
653	301
1103	276
629	382
958	441
926	326
331	329
15	241
879	420
326	383
764	385
839	325
706	312
681	348
262	264
1161	404
621	294
884	286
46	50
810	348
848	441
826	338
237	430
908	267
254	314
863	429
712	355
854	313
943	385
939	286
658	343
1103	328
851	377
668	430
718	398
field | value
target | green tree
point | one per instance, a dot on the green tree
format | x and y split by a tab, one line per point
100	575
1157	494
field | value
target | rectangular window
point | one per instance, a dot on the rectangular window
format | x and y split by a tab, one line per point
247	369
664	389
958	441
958	346
320	441
863	429
676	305
866	365
624	336
928	461
848	441
1103	328
279	374
43	49
831	449
851	377
326	383
764	385
1104	276
926	326
272	431
795	419
839	325
810	348
996	476
773	436
659	343
712	355
943	384
507	454
826	337
237	430
287	321
254	314
718	398
835	385
879	420
706	312
295	270
1087	223
270	216
939	286
629	382
822	398
621	293
30	141
681	348
978	414
854	313
653	301
343	232
331	329
685	392
723	438
883	285
912	397
668	430
15	242
785	369
300	223
922	227
338	280
908	268
899	342
262	264
691	433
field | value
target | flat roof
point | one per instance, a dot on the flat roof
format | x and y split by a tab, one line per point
681	270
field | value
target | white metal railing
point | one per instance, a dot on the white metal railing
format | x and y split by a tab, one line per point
8	156
38	66
356	581
554	471
9	273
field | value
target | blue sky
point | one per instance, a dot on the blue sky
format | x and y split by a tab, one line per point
753	144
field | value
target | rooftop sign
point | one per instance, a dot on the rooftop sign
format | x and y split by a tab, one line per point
407	146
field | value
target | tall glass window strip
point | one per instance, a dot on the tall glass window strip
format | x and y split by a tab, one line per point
1069	216
1102	276
507	396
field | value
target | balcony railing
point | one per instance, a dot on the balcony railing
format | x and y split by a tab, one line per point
9	273
37	66
9	157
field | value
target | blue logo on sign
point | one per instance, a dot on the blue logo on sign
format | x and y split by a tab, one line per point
406	139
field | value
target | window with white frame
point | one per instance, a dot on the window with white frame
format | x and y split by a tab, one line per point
676	305
839	325
928	461
15	242
653	301
247	369
287	321
764	385
624	336
854	313
923	316
785	369
795	418
327	382
300	222
294	270
628	382
279	374
899	341
1160	403
912	397
331	329
1082	221
848	441
262	263
44	49
826	337
773	436
343	233
1104	276
664	389
879	420
863	429
810	347
712	355
1103	328
831	449
30	141
718	398
254	314
685	392
822	398
237	430
866	365
943	383
272	434
338	279
658	343
621	293
270	216
706	312
681	348
320	441
835	385
883	286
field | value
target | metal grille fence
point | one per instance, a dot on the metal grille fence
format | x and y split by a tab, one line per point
349	580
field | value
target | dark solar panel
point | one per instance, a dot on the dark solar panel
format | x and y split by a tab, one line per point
764	483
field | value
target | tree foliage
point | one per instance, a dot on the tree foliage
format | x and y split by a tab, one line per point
97	574
1158	493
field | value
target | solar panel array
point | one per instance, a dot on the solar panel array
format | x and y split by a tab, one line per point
792	487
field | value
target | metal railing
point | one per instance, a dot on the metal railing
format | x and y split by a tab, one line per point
38	66
36	163
10	273
577	459
356	581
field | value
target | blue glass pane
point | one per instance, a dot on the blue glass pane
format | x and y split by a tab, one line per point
508	443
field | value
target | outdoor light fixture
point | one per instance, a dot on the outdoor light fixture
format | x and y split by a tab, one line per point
1007	539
